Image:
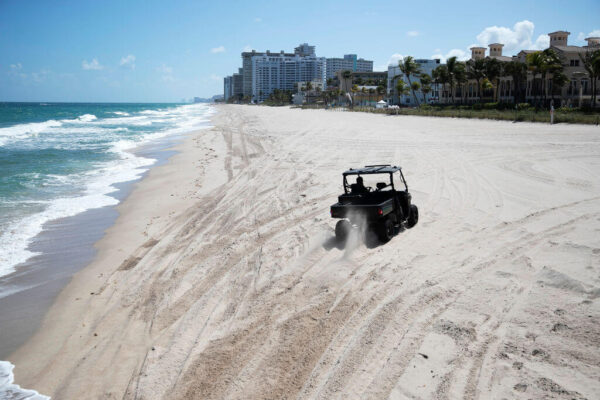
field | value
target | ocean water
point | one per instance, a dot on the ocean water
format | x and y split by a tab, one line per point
58	160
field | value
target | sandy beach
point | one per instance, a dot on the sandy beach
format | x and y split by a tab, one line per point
221	277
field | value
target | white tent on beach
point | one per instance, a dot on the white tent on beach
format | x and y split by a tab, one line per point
381	104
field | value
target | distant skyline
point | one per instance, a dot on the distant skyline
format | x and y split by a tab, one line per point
157	51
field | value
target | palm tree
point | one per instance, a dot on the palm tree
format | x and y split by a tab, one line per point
347	81
401	88
591	63
371	93
559	79
425	81
535	64
409	68
493	72
451	67
552	64
460	76
415	86
518	71
440	75
476	71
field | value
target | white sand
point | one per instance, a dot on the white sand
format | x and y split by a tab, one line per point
221	280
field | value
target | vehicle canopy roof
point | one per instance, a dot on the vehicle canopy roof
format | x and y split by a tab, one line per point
373	169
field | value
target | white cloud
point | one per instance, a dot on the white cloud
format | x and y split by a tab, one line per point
393	60
92	65
128	61
166	72
460	54
581	36
412	33
16	70
220	49
257	19
541	43
594	33
39	76
520	37
247	48
215	77
165	69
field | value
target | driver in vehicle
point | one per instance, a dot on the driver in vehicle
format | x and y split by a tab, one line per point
358	187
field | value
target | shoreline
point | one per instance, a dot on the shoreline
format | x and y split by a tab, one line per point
240	291
65	246
127	218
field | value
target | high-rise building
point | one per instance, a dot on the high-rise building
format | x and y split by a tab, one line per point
247	69
263	72
350	62
280	71
227	87
237	83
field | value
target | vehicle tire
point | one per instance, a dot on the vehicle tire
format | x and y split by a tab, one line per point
413	218
385	230
342	229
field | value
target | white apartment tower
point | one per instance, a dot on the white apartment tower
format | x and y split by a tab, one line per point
269	71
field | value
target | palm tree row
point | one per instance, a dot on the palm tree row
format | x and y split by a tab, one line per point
545	66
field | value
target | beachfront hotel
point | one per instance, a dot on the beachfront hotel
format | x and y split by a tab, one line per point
350	62
263	72
576	92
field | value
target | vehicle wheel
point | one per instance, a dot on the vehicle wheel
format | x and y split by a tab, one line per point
413	218
385	230
342	229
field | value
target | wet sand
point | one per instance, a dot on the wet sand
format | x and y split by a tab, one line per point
65	246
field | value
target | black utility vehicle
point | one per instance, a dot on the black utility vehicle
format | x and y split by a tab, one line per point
384	209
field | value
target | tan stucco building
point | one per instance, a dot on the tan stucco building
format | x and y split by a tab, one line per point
576	91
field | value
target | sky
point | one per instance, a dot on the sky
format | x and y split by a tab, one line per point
167	51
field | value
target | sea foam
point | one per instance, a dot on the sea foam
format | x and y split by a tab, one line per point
97	184
22	131
11	391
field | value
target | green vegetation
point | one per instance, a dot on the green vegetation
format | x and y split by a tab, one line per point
279	98
522	112
409	68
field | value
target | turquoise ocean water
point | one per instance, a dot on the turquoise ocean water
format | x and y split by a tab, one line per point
58	160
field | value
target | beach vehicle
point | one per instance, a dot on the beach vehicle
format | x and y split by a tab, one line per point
385	209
